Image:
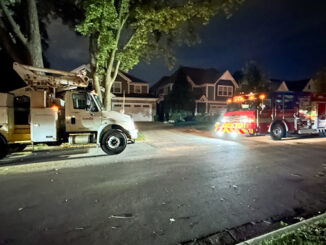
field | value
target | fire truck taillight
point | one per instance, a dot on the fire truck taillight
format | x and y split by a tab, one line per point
229	101
251	97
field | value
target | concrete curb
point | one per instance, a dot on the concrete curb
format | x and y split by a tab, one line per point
285	230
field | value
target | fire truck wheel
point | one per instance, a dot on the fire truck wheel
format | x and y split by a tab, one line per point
3	148
277	131
113	142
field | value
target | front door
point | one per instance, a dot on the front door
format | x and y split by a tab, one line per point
84	114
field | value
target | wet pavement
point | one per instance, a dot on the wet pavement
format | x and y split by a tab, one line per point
177	186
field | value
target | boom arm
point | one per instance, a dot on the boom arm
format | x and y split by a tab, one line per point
42	78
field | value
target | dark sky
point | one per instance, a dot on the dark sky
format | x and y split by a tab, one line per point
286	37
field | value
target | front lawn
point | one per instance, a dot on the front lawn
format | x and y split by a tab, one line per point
312	234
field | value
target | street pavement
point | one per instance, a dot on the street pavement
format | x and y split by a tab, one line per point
177	186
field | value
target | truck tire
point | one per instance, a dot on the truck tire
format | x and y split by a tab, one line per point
113	142
3	147
277	131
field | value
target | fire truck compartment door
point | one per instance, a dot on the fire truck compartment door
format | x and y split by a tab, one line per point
321	115
44	125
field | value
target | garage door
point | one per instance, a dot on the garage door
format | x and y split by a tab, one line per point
139	112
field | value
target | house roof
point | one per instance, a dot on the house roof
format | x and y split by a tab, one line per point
198	75
133	79
163	81
201	76
297	85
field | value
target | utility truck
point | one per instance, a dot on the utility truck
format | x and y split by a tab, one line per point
62	109
279	114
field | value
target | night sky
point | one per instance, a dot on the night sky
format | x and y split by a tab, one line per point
287	38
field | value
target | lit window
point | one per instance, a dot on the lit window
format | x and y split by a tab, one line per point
117	88
226	91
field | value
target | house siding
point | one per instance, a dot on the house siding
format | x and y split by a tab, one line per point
211	92
132	90
144	89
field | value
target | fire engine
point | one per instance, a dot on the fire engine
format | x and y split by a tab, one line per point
62	109
279	114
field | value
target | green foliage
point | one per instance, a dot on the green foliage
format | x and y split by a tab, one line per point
320	80
253	79
128	31
314	234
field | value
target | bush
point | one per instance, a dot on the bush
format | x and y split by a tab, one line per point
206	118
181	116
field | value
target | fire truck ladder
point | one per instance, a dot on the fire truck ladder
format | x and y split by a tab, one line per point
43	78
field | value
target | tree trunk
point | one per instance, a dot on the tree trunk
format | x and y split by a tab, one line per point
93	65
107	95
34	44
97	86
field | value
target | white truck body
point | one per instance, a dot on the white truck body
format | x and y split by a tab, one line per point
62	112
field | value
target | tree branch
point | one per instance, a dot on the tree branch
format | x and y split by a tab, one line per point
116	70
8	45
13	24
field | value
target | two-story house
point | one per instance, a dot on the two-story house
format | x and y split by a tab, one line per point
131	96
211	88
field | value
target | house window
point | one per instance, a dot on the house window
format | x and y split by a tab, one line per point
117	88
137	89
225	91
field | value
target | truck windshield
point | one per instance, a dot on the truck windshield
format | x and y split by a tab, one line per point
244	106
98	102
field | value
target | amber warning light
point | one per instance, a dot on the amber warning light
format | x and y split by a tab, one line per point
262	96
54	108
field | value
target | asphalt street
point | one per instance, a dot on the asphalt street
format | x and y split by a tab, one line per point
176	186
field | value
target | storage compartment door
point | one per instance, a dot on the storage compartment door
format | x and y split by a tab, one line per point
44	124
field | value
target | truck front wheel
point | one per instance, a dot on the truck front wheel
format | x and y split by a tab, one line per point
277	131
113	142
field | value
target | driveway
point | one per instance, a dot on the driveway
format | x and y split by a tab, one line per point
176	186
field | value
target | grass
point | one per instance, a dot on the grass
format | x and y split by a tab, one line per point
313	234
140	137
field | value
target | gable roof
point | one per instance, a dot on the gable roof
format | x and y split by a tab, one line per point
122	75
201	76
163	81
132	78
198	76
296	86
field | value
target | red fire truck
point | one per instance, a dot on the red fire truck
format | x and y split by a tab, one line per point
279	114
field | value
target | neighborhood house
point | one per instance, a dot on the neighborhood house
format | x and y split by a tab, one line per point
211	88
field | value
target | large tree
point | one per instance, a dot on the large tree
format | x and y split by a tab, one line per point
23	26
320	80
21	41
123	32
253	79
